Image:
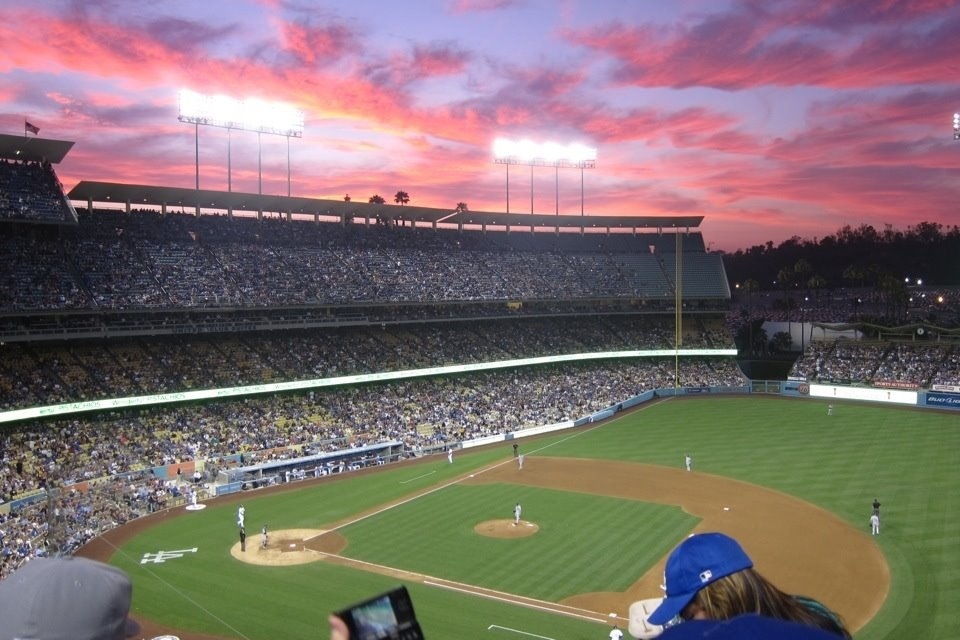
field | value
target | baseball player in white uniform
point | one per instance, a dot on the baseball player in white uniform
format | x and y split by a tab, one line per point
688	461
615	633
516	514
241	515
450	456
875	524
520	461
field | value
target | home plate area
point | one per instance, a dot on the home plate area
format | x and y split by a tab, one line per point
284	548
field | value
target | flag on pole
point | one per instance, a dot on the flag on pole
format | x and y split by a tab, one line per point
31	128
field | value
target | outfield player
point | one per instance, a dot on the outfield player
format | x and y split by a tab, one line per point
875	524
829	409
516	514
688	461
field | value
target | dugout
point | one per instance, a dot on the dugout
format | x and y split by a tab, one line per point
278	471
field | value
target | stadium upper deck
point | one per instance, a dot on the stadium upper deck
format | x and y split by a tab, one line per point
341	262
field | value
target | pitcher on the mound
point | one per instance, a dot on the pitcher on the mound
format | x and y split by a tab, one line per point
516	514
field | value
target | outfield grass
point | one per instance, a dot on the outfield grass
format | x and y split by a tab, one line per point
907	458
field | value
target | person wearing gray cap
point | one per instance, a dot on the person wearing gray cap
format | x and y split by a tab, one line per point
66	598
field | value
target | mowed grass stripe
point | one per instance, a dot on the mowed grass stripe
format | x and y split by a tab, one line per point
579	547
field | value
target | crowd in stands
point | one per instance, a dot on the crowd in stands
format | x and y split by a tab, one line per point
30	190
144	260
916	365
32	374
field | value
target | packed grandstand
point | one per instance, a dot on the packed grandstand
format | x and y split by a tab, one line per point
106	303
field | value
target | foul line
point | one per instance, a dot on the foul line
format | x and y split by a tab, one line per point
177	591
496	626
471	590
418	477
522	601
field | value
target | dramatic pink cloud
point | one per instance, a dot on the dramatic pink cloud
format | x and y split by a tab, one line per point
771	118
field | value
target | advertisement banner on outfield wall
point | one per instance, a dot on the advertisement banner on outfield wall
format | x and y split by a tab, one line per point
943	400
891	396
947	388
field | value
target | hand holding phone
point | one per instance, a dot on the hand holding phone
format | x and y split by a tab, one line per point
388	616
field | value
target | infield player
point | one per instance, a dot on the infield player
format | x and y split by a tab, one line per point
263	537
450	456
516	514
688	461
241	516
875	524
615	633
520	461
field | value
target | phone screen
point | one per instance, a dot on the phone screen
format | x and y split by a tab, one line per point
374	619
388	615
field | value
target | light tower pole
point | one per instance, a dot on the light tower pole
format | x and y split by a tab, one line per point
956	126
248	115
524	152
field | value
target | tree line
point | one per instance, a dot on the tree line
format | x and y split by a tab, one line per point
852	257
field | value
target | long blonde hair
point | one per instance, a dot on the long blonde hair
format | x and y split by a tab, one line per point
747	591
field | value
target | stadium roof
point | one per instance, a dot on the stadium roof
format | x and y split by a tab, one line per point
33	148
153	196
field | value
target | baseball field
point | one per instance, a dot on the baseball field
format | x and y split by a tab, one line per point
602	506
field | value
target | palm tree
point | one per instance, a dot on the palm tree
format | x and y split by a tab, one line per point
346	198
750	285
461	207
401	198
802	270
785	279
376	199
816	282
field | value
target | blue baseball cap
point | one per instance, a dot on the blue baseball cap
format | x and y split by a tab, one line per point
696	562
746	627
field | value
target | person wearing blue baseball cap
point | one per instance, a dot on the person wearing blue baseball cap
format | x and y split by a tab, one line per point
710	577
747	627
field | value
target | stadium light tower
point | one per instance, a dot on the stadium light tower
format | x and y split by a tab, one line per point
248	115
550	154
956	126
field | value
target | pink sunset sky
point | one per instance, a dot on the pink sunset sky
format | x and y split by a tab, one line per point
771	118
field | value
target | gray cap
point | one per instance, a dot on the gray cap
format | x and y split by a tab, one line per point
66	598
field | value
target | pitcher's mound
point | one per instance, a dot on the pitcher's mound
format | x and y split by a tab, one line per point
506	529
